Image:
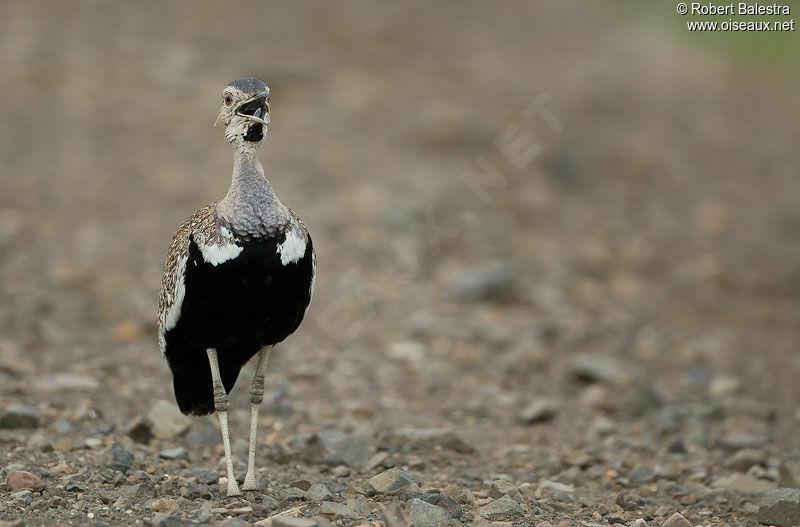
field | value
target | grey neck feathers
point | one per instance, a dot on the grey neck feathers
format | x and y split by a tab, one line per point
251	208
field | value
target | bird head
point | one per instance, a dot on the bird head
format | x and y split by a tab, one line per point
245	111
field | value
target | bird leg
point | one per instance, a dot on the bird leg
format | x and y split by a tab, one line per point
256	396
221	404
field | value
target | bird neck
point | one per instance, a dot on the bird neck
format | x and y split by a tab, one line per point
251	206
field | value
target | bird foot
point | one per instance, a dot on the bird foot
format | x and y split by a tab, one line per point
233	488
250	482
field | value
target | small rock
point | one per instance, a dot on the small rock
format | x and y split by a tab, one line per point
780	507
547	486
302	484
744	483
503	487
269	503
442	501
676	520
393	516
539	411
677	446
141	430
173	453
291	521
334	448
745	458
119	458
461	495
20	480
290	494
787	478
423	514
425	439
492	281
166	420
392	480
161	519
318	493
164	505
18	416
202	475
337	511
598	368
504	508
641	401
74	486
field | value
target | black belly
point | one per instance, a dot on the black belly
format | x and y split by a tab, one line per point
236	307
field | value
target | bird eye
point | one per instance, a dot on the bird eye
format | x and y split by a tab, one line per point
228	100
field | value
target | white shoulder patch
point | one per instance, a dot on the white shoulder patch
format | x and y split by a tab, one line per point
294	247
216	254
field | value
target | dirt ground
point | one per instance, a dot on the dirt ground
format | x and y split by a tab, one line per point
558	265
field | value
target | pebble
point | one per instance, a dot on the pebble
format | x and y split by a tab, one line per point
337	511
269	503
291	521
424	514
548	486
318	493
492	281
780	507
598	368
440	500
202	475
539	411
744	483
74	486
19	416
173	453
425	439
743	459
164	505
504	508
290	494
503	487
119	458
166	421
394	516
334	448
20	480
162	519
392	480
676	520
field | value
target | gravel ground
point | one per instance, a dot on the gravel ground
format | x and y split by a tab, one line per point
601	329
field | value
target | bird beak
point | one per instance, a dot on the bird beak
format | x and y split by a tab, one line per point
255	108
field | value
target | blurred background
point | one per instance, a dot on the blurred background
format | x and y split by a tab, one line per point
516	206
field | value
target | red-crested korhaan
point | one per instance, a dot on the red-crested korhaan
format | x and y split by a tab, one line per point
238	279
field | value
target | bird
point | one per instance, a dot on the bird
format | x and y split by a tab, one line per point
238	279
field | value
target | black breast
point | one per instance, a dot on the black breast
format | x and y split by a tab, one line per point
236	307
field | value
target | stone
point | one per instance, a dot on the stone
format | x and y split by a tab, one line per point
390	481
18	480
318	493
337	511
291	521
787	478
173	453
74	486
269	503
332	448
640	401
539	411
676	520
425	439
440	500
598	368
65	382
164	505
423	514
291	494
780	507
745	458
503	487
394	516
504	508
119	458
677	446
162	519
202	475
141	430
744	483
493	281
19	416
166	420
547	487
